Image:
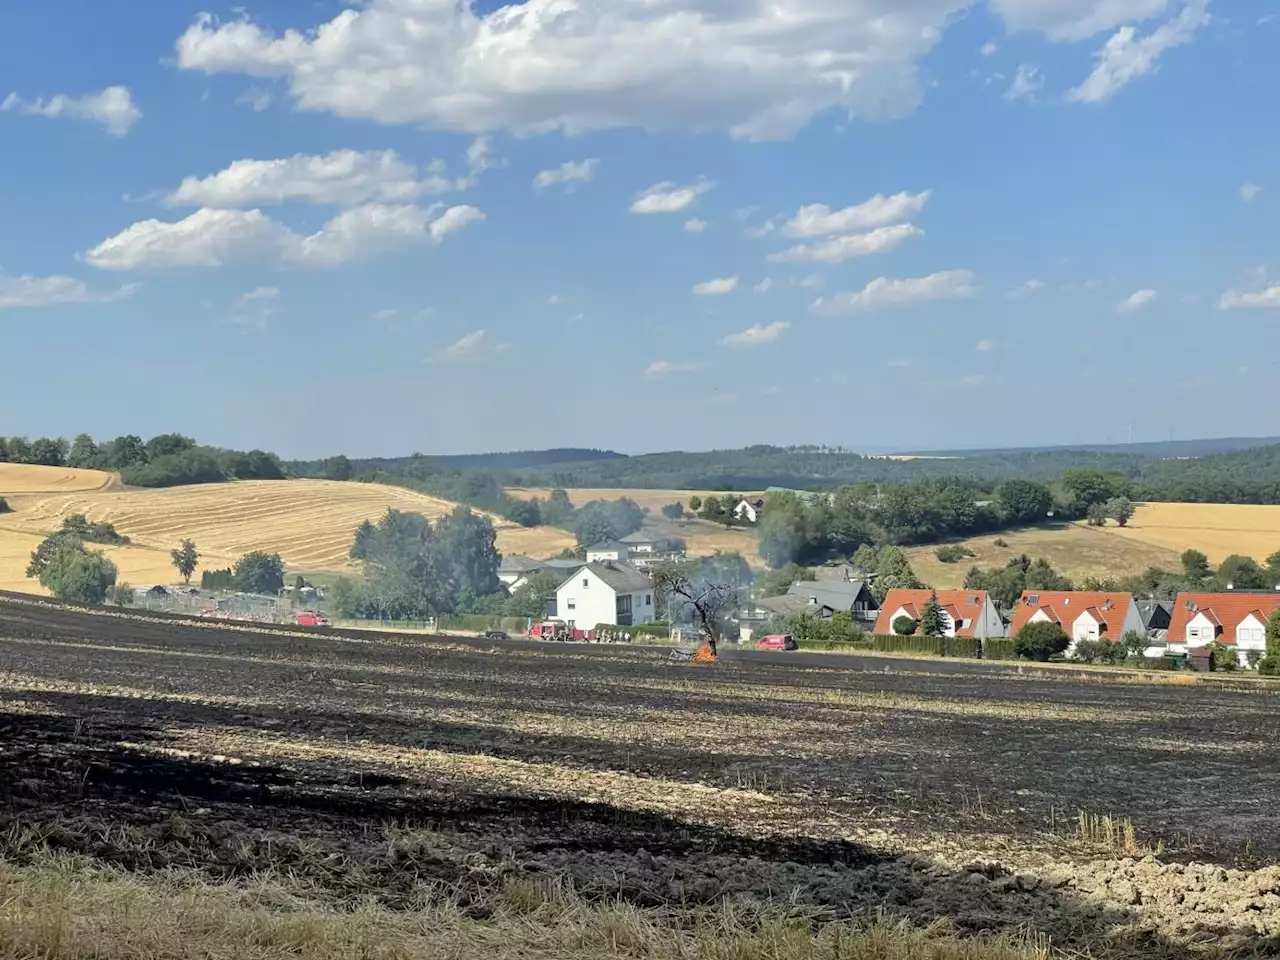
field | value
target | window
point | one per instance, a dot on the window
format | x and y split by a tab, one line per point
585	583
648	599
624	605
572	605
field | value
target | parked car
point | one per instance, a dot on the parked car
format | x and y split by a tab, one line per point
496	635
777	641
308	618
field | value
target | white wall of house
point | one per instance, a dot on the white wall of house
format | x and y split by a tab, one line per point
586	600
990	623
613	553
746	510
509	577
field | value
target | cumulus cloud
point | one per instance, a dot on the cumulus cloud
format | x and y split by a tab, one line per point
985	345
1024	290
695	225
568	173
667	197
1266	297
1075	19
883	292
716	288
1136	301
757	334
663	368
1126	56
253	310
113	108
340	178
218	238
819	220
1027	82
989	48
1249	191
470	347
840	249
29	291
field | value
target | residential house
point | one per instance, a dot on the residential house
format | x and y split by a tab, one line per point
646	550
750	509
838	572
965	613
515	567
822	598
606	592
1082	615
614	550
1237	619
1156	614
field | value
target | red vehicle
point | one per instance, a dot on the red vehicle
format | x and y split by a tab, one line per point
309	618
555	630
777	641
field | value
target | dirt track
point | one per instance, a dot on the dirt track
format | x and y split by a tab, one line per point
370	765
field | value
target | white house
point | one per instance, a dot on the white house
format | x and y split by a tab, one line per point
1236	619
514	568
750	509
614	550
607	592
1082	614
965	613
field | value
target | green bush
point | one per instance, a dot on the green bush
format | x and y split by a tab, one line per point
953	553
77	575
932	646
836	646
651	630
1224	658
904	626
122	595
217	579
1040	641
1161	663
478	623
77	525
4	506
999	648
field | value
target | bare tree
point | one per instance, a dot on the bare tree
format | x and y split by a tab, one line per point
709	602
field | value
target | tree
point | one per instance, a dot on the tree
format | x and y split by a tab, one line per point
77	575
1022	501
1195	565
337	468
19	450
83	453
48	452
122	595
168	445
1134	644
1087	486
695	503
1269	665
893	572
904	626
1120	509
185	559
1241	573
673	511
4	450
1040	640
126	451
1223	658
709	603
531	599
1097	514
259	572
932	621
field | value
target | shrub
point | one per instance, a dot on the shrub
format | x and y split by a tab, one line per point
259	572
78	526
673	511
933	646
4	506
1223	658
999	648
953	553
122	595
1099	651
904	626
217	579
1040	641
77	575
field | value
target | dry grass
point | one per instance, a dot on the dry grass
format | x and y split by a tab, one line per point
1114	834
68	908
655	500
19	479
1217	529
309	522
1076	550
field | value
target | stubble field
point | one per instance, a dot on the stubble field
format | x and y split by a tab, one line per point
423	775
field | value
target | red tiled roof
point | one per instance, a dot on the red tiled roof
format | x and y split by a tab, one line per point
1064	606
1225	610
960	605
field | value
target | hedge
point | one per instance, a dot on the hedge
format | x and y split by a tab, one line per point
998	648
935	646
478	622
648	629
834	646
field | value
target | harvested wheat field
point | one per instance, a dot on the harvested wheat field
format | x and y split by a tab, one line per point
21	480
310	523
653	500
180	790
1075	549
1216	529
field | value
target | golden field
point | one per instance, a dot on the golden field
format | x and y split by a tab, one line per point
19	479
310	523
1217	529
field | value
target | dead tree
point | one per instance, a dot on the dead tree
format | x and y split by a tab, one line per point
709	602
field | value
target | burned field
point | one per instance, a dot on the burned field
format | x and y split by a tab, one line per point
379	768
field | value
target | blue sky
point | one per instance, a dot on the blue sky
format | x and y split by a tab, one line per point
887	224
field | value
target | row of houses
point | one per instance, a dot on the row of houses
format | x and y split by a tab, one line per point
1191	623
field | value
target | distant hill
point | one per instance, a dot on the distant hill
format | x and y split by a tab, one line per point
515	460
1157	450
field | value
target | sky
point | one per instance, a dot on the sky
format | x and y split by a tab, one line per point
449	226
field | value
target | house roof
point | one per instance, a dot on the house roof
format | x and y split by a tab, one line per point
1227	610
518	563
836	594
607	545
1147	609
619	577
565	565
1064	606
639	537
783	605
960	605
836	573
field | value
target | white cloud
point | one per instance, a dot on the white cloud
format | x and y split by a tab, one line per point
757	334
883	292
762	230
813	281
667	197
386	316
985	346
340	178
113	108
716	288
1075	19
1027	82
28	291
216	238
1266	297
256	99
989	48
663	368
1125	56
569	173
819	220
1136	301
555	300
764	286
840	249
1249	191
469	348
480	157
1025	290
253	310
695	225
